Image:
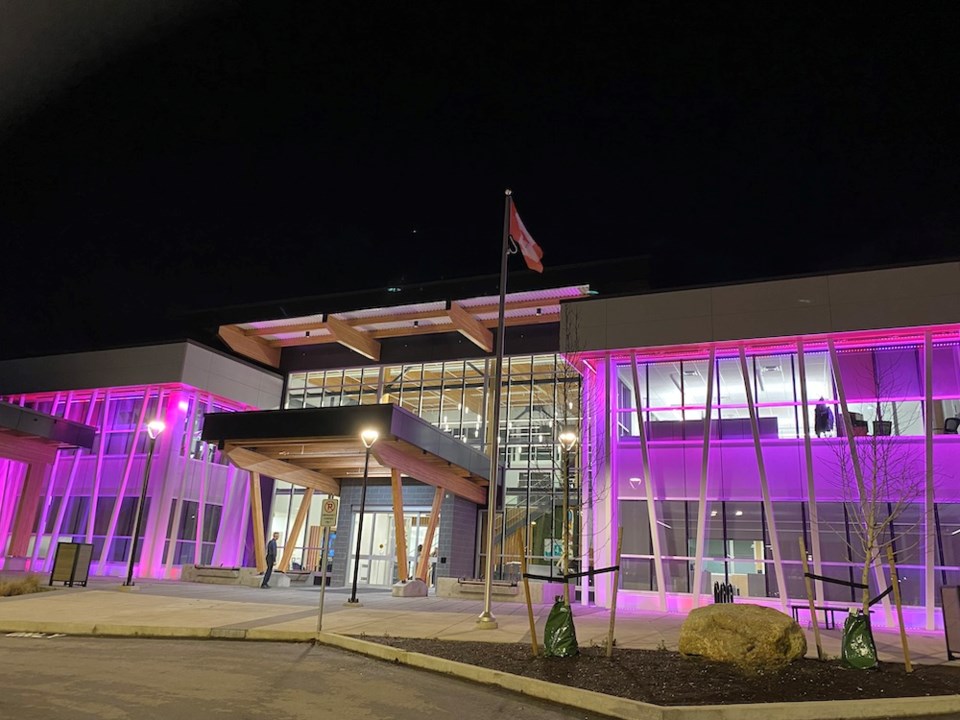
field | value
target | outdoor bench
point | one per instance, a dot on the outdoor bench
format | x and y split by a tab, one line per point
500	587
828	611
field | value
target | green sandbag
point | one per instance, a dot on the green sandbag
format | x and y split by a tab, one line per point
559	636
857	647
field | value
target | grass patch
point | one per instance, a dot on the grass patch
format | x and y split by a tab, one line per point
20	586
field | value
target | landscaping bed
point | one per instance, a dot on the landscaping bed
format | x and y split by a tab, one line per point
666	677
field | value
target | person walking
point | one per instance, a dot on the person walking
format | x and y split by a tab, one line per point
271	559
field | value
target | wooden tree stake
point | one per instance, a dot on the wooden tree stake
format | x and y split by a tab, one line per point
810	599
534	648
613	602
896	598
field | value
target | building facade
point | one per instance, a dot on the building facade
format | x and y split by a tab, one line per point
723	426
196	502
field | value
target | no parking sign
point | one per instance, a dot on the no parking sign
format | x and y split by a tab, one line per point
329	509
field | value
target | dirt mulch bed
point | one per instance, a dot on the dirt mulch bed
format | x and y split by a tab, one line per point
665	677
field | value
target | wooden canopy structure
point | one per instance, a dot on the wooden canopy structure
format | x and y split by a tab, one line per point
362	330
317	448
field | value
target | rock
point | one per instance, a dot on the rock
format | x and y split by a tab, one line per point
743	634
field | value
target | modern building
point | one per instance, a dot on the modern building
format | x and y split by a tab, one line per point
724	425
256	438
718	427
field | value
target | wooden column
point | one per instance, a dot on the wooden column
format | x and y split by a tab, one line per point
27	509
290	542
256	517
423	564
396	486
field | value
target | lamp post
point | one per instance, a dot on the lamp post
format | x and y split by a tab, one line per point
568	440
154	428
368	437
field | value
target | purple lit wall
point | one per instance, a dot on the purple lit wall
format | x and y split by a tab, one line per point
196	503
883	407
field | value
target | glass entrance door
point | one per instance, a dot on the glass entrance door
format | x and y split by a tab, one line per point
378	549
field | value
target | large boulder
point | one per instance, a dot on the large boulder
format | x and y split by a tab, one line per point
743	634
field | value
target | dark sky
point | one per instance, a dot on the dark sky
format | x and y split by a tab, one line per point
156	158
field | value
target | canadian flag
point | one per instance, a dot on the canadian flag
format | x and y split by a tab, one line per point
528	246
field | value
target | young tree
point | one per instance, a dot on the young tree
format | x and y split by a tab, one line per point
880	476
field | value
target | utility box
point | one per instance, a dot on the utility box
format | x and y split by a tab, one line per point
71	564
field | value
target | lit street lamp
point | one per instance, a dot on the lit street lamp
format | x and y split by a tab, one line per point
568	440
154	428
368	437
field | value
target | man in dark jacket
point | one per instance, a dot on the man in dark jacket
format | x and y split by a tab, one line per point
271	559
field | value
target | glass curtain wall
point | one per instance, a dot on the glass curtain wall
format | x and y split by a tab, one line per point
883	420
540	395
81	504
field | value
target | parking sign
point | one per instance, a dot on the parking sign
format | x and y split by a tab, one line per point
329	509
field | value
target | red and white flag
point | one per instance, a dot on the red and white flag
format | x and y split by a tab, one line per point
528	246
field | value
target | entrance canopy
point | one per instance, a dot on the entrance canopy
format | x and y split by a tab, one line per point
29	436
318	447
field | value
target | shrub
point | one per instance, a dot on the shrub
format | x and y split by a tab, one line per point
23	586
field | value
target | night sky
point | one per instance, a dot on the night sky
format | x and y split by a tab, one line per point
157	158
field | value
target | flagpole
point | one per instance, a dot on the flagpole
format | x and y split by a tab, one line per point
486	620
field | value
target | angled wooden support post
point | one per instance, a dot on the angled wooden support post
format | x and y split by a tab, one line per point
290	542
396	486
256	517
423	564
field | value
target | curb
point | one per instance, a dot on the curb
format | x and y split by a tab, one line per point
600	703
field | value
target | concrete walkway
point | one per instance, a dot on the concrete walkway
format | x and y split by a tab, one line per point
166	608
190	610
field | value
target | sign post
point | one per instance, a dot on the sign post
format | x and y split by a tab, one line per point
329	509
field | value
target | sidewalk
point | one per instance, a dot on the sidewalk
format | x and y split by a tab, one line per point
171	609
193	610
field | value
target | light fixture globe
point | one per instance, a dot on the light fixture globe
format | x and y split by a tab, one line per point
155	427
368	437
568	438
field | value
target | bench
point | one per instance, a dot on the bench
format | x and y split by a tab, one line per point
828	611
497	587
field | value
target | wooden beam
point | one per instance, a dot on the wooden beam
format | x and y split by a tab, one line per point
318	328
256	517
433	329
26	514
401	542
27	448
281	470
356	340
470	328
423	563
392	456
290	541
254	348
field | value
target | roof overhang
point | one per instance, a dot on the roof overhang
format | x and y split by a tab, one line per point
319	447
30	436
362	330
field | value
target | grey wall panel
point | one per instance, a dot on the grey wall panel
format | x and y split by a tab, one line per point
868	300
184	362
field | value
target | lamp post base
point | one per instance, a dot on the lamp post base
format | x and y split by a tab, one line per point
128	588
486	621
353	603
